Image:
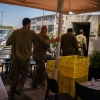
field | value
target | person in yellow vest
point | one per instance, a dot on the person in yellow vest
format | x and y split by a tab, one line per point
82	44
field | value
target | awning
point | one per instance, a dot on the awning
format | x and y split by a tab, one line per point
76	6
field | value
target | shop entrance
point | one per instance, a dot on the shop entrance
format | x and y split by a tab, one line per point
86	27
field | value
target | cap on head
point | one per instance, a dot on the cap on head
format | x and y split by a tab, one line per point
81	30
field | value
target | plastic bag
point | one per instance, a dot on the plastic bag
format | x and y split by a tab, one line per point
3	92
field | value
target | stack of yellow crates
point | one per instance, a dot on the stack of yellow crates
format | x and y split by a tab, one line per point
74	66
71	69
50	68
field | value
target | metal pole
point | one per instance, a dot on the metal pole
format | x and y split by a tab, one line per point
43	18
60	9
2	16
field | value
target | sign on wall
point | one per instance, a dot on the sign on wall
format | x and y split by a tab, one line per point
92	34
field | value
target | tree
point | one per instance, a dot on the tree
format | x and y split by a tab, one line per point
52	45
6	27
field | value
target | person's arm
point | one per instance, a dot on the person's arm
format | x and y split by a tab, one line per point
9	40
85	43
58	39
39	39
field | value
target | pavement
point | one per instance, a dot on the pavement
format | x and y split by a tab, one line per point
27	92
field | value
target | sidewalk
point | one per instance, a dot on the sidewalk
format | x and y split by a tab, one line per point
27	92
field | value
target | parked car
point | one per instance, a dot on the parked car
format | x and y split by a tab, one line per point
4	34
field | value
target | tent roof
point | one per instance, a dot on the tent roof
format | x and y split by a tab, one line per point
76	6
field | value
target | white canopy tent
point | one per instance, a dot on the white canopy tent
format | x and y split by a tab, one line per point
76	6
62	6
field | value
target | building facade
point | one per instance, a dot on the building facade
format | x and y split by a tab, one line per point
51	21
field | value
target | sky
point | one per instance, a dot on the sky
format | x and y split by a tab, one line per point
14	15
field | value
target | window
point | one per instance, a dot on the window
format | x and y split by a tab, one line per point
62	22
51	28
39	19
34	21
38	27
57	22
45	18
33	27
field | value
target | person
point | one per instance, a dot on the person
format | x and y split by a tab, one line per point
69	45
39	55
21	41
81	42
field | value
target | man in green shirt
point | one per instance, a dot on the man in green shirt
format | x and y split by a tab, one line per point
39	55
69	44
21	41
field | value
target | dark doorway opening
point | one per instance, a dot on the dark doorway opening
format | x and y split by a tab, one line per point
86	27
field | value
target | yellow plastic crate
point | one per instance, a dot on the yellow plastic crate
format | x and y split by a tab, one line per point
50	64
64	89
50	73
67	84
74	73
72	93
63	84
74	61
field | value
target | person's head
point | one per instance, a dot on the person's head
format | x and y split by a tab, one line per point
44	29
26	22
81	31
69	30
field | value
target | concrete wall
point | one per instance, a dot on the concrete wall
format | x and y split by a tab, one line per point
94	42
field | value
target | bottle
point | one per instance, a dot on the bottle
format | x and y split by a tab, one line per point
92	80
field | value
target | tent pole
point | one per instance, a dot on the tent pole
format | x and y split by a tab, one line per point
60	9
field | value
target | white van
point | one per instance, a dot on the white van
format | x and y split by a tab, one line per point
4	34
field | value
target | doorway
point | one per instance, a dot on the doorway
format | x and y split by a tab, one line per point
86	27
